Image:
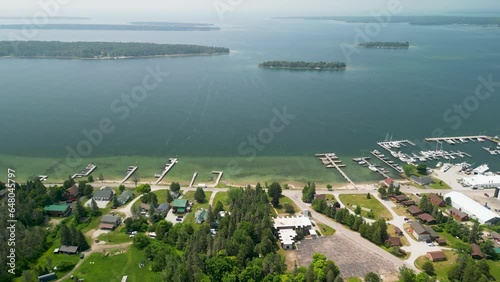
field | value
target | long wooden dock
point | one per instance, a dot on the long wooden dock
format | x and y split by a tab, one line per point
169	166
193	179
218	177
378	170
334	163
130	171
86	172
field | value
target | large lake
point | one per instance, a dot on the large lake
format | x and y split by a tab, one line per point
208	106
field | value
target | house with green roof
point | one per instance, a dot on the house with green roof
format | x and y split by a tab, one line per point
180	205
200	216
57	210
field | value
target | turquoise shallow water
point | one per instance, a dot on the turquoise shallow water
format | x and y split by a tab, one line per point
209	106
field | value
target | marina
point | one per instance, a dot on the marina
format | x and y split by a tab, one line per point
463	139
86	172
130	171
364	161
168	166
330	160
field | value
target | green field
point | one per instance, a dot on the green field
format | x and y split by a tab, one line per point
326	230
114	266
294	170
441	267
117	236
222	197
373	204
281	208
494	269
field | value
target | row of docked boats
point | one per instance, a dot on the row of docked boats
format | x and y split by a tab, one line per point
388	161
493	151
453	141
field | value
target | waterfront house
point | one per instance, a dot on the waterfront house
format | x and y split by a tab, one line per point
200	216
422	180
103	194
125	197
57	210
163	208
388	182
72	193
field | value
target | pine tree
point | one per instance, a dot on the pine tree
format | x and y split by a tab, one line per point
169	197
115	201
218	207
65	235
199	195
74	236
82	242
93	205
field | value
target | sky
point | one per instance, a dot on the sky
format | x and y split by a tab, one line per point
212	9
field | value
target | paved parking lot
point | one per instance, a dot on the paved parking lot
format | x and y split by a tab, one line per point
352	260
100	204
172	217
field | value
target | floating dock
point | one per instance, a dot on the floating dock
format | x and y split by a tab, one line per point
193	179
130	171
218	177
378	170
168	166
330	160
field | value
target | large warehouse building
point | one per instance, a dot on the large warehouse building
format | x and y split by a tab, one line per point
472	208
482	181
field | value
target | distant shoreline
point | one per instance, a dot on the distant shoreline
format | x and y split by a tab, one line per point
301	68
112	58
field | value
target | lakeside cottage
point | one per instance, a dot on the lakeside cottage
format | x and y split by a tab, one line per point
110	222
180	206
57	210
125	197
103	194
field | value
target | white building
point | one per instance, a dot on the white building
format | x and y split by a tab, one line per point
472	208
482	181
286	228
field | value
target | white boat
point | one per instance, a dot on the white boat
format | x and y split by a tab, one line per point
439	164
480	139
493	152
394	154
376	152
372	168
449	141
362	162
481	169
463	140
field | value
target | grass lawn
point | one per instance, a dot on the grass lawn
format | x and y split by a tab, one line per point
373	204
438	184
114	267
354	279
221	197
189	217
325	229
401	211
391	230
441	267
494	269
281	208
450	240
116	236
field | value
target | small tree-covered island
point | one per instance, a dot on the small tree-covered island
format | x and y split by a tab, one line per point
100	50
303	65
385	45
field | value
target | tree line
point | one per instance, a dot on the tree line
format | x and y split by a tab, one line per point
303	65
91	50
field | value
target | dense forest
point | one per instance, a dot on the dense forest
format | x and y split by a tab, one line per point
91	50
129	27
385	45
303	65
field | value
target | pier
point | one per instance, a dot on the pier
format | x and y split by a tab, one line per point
193	179
378	170
330	160
387	163
218	177
168	166
458	138
86	172
130	171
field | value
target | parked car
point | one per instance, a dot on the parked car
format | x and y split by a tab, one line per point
82	256
486	194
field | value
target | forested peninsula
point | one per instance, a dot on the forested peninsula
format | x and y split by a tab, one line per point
385	45
303	65
100	50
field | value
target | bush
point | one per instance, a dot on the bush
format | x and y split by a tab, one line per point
65	266
370	214
141	241
428	267
289	208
